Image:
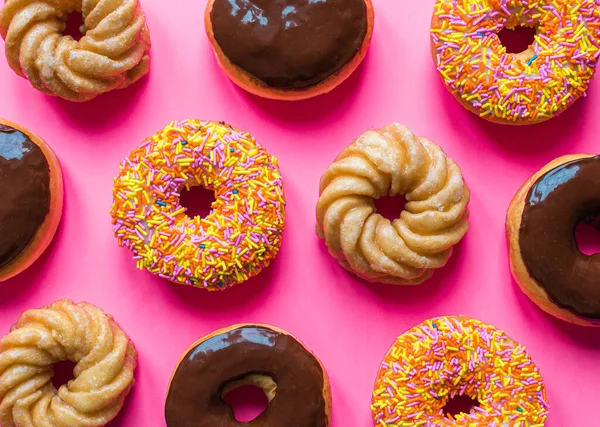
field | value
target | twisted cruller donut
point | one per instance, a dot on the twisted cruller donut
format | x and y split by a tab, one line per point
392	161
112	54
105	361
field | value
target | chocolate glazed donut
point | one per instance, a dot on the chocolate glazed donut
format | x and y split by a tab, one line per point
25	189
545	258
289	50
290	44
291	377
31	186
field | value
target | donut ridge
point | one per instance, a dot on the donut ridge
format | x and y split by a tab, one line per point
392	161
112	54
105	362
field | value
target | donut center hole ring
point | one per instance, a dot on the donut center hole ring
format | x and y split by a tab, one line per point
587	235
261	381
518	41
197	200
75	25
249	396
390	207
460	404
519	28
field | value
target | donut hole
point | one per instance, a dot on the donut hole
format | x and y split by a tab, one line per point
197	201
390	207
587	237
75	25
63	373
459	404
517	39
247	402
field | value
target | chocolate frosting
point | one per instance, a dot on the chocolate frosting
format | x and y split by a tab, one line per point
290	44
195	395
25	190
560	200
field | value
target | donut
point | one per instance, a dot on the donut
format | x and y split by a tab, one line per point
289	49
450	356
243	231
392	161
523	88
112	54
103	375
544	257
32	198
290	375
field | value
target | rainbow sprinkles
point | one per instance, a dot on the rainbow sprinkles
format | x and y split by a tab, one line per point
240	236
450	356
528	87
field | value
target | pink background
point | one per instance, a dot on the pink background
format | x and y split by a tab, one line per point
348	323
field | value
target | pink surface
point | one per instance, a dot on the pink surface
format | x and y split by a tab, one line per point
348	323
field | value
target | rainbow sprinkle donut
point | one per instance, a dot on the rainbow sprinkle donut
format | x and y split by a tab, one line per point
240	236
528	87
449	356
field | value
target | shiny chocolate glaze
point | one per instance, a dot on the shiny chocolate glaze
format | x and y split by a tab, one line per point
290	44
24	192
195	397
559	200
